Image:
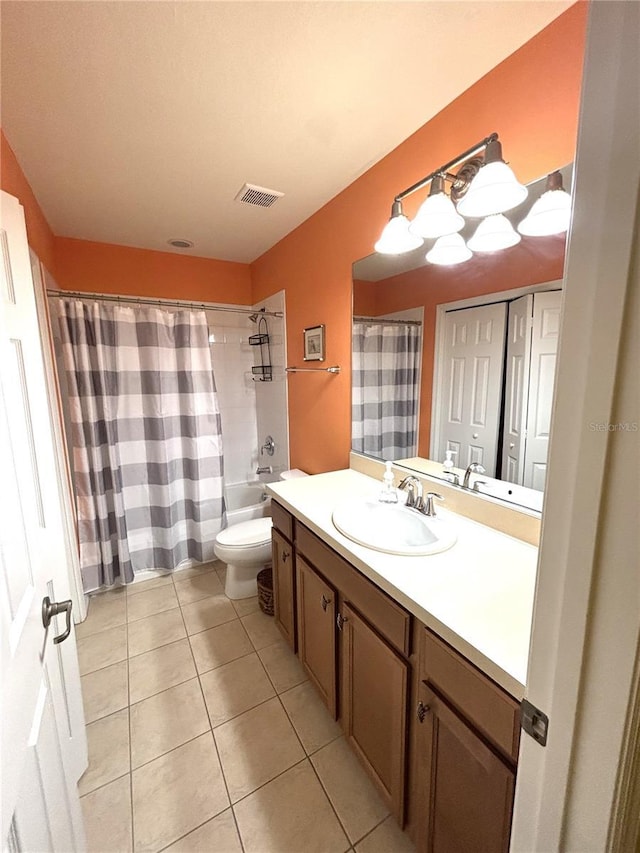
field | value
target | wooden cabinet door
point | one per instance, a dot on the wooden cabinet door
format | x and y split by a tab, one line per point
374	706
465	792
284	587
317	632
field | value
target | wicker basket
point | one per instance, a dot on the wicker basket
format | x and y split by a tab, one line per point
265	590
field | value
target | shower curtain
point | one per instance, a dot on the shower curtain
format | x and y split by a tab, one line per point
385	373
146	437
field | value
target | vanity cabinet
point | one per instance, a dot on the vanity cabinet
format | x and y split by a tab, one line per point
283	562
465	750
317	644
438	738
374	706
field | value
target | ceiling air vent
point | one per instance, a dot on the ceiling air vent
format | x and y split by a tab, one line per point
259	196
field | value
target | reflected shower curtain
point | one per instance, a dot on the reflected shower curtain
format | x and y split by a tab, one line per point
385	389
146	436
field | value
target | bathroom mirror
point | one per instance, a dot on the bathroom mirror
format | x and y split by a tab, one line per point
431	340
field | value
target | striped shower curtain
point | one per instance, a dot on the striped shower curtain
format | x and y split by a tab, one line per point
146	437
385	383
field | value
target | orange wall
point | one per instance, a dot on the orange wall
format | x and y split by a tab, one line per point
107	268
531	99
533	261
13	181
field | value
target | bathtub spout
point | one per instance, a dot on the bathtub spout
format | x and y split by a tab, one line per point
264	469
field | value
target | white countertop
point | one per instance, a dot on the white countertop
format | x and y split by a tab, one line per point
478	595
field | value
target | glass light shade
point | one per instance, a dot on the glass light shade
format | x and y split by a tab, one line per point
549	215
494	233
493	190
449	250
436	217
396	237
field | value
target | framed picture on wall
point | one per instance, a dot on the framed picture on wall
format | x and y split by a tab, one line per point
314	343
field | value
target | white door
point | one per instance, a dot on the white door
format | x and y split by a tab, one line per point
472	384
44	747
516	389
544	349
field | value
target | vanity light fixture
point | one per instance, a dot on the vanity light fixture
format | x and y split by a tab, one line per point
396	237
493	234
481	187
449	250
551	213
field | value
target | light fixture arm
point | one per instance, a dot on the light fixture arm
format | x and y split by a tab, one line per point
444	170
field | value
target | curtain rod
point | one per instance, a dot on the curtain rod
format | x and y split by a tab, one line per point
381	321
143	300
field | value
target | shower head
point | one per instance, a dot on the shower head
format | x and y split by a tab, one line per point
253	317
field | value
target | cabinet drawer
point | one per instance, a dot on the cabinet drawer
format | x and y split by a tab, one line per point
492	711
282	520
391	620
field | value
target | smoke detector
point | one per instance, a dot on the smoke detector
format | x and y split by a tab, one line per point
258	196
180	243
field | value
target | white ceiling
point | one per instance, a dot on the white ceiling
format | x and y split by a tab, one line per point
136	122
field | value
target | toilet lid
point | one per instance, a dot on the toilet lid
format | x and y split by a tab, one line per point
253	532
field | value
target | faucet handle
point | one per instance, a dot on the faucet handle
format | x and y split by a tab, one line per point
429	508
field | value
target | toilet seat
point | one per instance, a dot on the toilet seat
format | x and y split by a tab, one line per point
246	533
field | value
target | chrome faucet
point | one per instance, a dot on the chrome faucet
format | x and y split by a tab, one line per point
413	487
473	468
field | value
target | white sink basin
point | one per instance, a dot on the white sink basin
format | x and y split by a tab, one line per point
393	528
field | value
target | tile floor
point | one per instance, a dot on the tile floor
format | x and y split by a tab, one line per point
205	735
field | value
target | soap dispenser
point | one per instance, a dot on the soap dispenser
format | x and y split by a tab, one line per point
388	495
447	465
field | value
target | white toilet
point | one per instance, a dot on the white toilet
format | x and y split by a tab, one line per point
246	549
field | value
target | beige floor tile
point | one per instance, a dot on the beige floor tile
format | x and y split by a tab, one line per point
208	613
255	747
176	793
107	817
152	583
201	586
245	606
215	836
108	744
353	796
105	691
167	720
194	571
235	687
155	631
220	645
289	815
159	669
103	614
386	838
99	650
283	667
261	629
221	571
310	718
150	602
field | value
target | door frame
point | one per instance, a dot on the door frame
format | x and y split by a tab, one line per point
440	340
583	659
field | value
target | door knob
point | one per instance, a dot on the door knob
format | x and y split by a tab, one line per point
53	608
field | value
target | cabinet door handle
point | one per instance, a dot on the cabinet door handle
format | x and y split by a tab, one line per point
340	620
324	601
422	710
285	556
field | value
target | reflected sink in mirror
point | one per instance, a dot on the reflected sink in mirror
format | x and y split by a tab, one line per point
393	528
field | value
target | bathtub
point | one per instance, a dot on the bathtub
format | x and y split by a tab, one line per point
245	501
